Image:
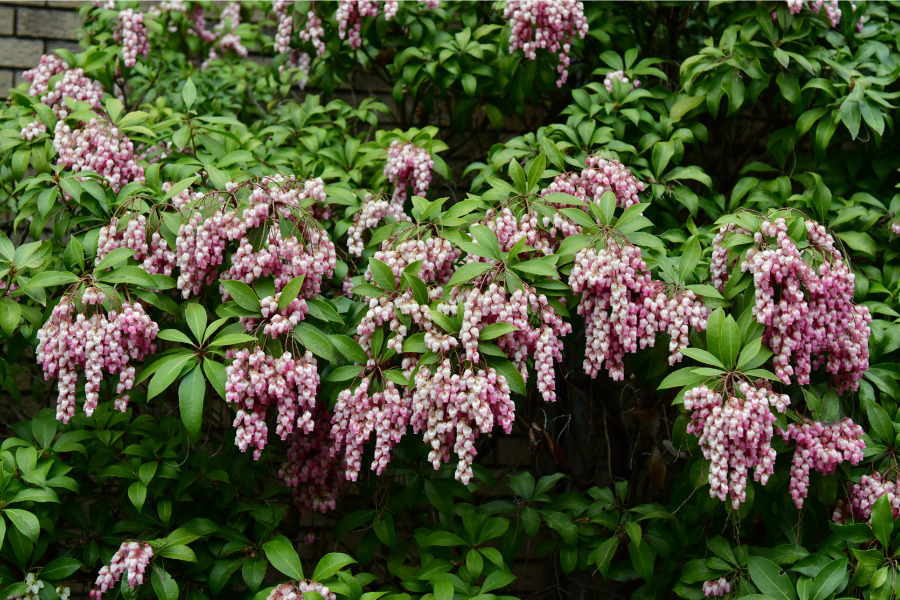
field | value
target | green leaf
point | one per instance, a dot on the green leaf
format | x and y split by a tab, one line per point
178	552
349	348
495	330
828	580
382	275
137	493
703	356
689	259
770	579
254	571
314	340
114	258
290	292
174	335
242	293
487	239
189	93
662	154
496	580
10	315
682	378
282	556
60	568
604	553
684	106
330	564
51	279
536	267
24	521
443	590
231	339
883	521
167	373
880	422
468	272
163	584
729	341
517	174
129	275
850	115
191	393
195	315
859	241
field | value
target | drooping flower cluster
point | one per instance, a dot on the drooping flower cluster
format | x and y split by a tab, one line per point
599	175
822	447
156	257
624	308
895	227
71	342
349	17
408	165
277	323
452	409
224	34
130	560
832	10
132	34
372	211
285	25
509	230
256	380
437	255
202	242
313	471
296	591
619	75
549	24
719	587
862	496
98	147
487	304
74	84
735	436
313	32
809	314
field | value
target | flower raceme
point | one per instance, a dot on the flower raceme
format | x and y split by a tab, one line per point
408	165
546	24
71	341
808	312
130	560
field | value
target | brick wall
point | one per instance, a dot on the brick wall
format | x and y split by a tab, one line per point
29	29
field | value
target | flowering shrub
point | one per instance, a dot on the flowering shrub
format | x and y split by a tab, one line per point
565	259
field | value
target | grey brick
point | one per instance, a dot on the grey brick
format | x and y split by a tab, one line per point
24	2
20	53
44	23
65	3
72	47
6	82
7	20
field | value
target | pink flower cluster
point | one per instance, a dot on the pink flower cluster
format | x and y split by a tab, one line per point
808	313
70	342
822	447
313	32
285	25
550	24
509	230
358	414
372	211
349	17
224	36
719	587
624	308
201	243
156	257
313	471
74	84
132	34
832	10
408	164
291	591
486	304
277	323
862	497
895	228
256	381
620	76
599	175
437	255
130	560
735	435
98	147
451	410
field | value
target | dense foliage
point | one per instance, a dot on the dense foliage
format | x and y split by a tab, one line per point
446	300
